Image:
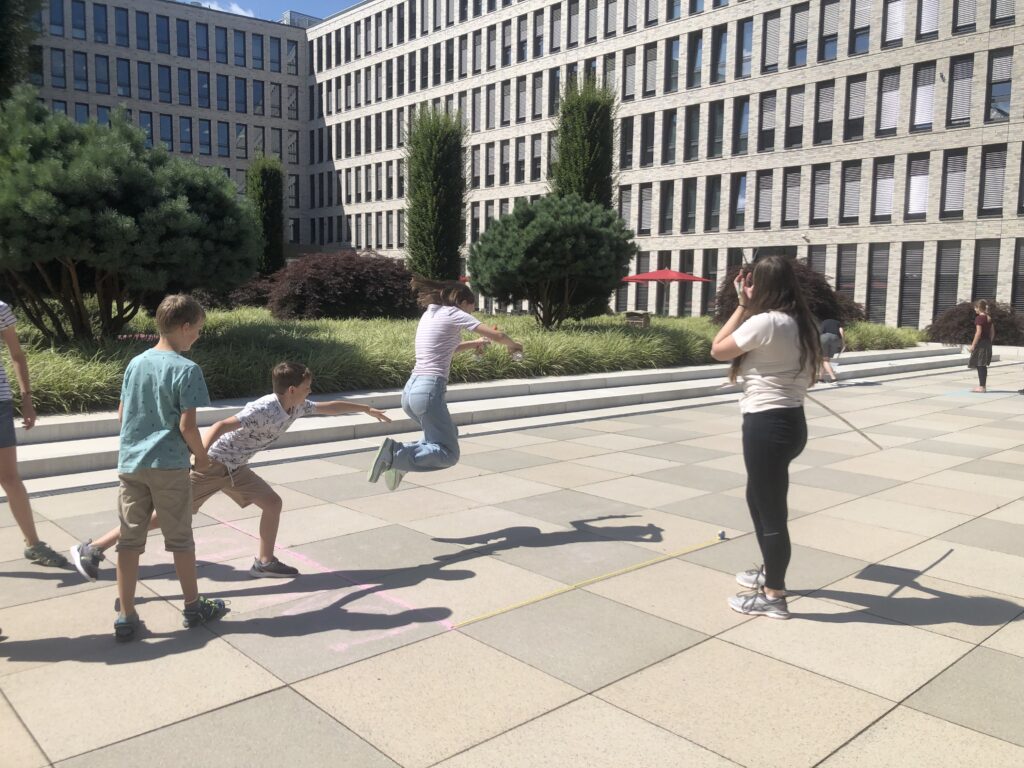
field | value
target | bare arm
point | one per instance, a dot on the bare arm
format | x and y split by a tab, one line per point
120	413
991	331
190	432
338	407
474	344
28	411
222	427
724	347
977	337
498	336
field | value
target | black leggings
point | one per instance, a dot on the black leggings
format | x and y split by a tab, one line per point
982	375
771	440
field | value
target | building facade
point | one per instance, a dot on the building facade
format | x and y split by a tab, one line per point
879	139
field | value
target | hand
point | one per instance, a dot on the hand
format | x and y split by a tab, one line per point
379	415
481	343
971	349
201	463
514	346
28	414
739	283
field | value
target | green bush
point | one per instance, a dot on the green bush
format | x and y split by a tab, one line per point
861	336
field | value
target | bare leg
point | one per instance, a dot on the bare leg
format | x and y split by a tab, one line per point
827	367
127	578
17	496
270	521
185	566
111	537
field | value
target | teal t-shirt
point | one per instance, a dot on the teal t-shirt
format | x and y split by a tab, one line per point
158	387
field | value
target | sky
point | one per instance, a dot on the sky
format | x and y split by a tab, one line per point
272	10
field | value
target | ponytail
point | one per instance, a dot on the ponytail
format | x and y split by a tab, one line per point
447	293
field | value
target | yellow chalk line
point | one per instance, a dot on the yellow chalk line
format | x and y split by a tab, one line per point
587	582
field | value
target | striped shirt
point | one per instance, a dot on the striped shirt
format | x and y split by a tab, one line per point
6	321
437	336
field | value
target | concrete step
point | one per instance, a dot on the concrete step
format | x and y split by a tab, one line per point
472	404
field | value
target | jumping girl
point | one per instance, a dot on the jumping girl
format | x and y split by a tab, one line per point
772	341
438	338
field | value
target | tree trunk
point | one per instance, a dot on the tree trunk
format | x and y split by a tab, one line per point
37	310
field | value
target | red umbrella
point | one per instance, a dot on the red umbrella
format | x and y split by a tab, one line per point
664	276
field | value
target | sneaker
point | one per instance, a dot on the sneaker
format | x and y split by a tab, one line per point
125	627
751	579
393	478
275	569
382	460
86	559
759	604
43	554
203	611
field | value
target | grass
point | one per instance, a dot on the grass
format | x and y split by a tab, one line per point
238	349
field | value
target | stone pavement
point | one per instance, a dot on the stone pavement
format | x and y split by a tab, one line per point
558	599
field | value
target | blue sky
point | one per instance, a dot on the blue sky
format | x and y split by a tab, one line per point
272	9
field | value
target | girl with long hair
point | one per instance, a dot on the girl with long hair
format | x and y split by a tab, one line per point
772	341
981	346
438	337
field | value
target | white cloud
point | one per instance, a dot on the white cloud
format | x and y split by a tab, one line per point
229	8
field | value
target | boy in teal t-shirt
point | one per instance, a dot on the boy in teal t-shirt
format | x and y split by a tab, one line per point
159	397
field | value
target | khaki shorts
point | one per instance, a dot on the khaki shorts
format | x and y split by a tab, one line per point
164	491
243	486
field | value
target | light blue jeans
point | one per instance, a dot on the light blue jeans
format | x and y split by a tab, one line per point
423	402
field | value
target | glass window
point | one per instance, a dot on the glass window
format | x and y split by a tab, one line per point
257	51
293	57
221	41
671	65
222	93
184	87
223	139
828	47
124	78
58	71
167	132
694	59
203	89
99	23
744	48
860	27
185	135
241	106
202	42
57	19
1000	68
145	78
163	34
81	113
81	69
78	19
719	53
102	74
146	124
798	20
258	99
239	48
275	54
142	30
204	137
182	34
163	75
121	27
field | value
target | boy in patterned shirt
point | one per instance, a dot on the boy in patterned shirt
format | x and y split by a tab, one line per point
231	443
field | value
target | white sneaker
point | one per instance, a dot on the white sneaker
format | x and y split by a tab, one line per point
759	604
393	478
382	460
751	579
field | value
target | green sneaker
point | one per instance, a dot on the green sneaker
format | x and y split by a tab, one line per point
43	554
393	478
203	611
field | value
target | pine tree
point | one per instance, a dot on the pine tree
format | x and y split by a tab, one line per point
264	186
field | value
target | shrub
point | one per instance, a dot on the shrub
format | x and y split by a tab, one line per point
342	285
956	324
586	138
264	186
862	336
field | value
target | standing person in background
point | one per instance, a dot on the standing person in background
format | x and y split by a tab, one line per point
833	341
772	341
981	346
438	338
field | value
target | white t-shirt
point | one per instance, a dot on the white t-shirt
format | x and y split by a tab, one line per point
437	336
263	421
772	376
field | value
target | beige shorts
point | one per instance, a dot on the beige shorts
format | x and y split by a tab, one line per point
243	486
164	491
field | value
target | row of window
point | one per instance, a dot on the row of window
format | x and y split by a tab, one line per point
804	196
165	79
379	230
585	21
247	48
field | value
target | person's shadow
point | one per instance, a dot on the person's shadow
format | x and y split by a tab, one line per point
925	607
531	536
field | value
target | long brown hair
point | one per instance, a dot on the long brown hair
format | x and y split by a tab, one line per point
777	289
447	293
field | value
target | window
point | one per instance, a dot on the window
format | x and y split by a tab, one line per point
650	69
888	102
763	210
167	132
121	35
202	42
57	19
221	40
124	78
203	89
766	132
146	124
1000	68
222	93
204	137
185	135
685	297
964	15
182	38
716	128
689	212
102	74
883	189
791	197
292	53
626	206
141	30
239	48
947	276
927	19
163	76
961	73
954	183
241	106
35	66
671	65
555	17
694	59
647	140
667	202
630	15
81	72
823	112
986	269
892	23
770	42
744	47
856	93
163	33
828	41
738	201
719	53
1017	292
713	203
573	37
275	54
673	10
798	20
629	75
707	290
911	268
917	188
59	76
99	23
846	270
651	12
795	117
691	139
878	281
626	143
740	124
646	203
820	179
81	113
293	102
1002	13
535	158
860	29
923	98
78	19
184	87
258	99
816	258
223	140
242	142
849	203
993	176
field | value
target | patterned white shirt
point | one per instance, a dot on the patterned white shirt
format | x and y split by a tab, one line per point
263	421
7	320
